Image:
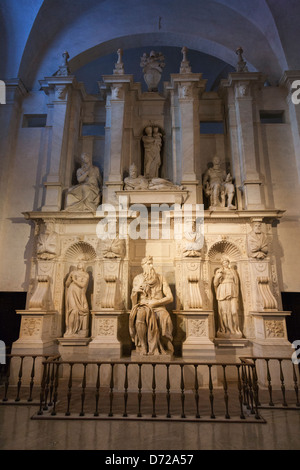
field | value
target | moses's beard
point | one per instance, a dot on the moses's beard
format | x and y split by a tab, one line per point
149	274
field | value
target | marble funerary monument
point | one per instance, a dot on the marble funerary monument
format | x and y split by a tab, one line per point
212	295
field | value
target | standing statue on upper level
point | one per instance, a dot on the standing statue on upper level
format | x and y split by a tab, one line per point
85	196
150	324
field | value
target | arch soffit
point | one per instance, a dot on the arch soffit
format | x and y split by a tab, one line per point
48	52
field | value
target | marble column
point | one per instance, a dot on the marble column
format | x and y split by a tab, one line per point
189	87
242	97
59	90
117	86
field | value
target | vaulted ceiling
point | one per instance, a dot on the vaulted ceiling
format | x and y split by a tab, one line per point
34	33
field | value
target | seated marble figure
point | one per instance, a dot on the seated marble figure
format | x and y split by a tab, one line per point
85	196
150	324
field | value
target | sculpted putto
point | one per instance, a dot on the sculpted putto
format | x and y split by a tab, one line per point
150	324
85	196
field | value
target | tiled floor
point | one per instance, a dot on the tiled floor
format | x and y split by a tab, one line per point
19	432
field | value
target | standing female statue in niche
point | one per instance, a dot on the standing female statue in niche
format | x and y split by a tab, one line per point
226	285
77	310
85	196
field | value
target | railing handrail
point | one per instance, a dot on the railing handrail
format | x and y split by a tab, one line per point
150	362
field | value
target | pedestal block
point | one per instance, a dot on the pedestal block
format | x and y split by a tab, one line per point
271	342
198	330
36	332
105	342
37	338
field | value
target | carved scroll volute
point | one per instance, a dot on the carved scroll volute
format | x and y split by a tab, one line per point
269	301
110	292
41	297
194	300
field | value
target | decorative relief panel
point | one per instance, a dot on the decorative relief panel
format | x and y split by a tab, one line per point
106	327
197	328
274	329
31	326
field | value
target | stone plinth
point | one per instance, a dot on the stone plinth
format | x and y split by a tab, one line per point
105	328
271	341
198	330
36	332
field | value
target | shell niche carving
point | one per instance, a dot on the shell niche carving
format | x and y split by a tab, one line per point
80	251
221	248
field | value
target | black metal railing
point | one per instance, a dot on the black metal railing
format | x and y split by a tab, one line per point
163	390
277	382
21	378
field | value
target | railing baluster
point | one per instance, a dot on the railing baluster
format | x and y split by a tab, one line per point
97	395
42	391
225	392
284	403
20	379
295	384
271	403
242	416
168	392
256	381
6	384
153	391
47	381
182	391
83	386
55	393
196	391
111	393
32	378
211	395
245	386
125	391
140	391
69	394
255	391
250	389
51	378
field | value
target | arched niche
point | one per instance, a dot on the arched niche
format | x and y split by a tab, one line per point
219	250
81	252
